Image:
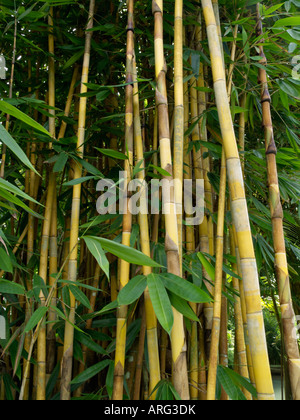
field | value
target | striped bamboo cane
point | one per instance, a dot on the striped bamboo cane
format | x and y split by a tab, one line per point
127	217
180	375
178	116
281	265
256	328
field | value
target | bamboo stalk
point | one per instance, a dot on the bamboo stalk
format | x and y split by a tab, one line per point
239	328
11	82
214	353
190	248
243	306
140	358
180	375
66	367
256	328
151	321
119	371
206	229
43	269
93	298
281	264
178	116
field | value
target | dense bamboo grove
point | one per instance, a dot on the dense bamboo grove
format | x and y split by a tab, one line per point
149	200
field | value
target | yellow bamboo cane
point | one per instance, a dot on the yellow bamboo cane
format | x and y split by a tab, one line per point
180	375
206	229
178	116
43	269
281	264
151	321
214	353
66	368
239	327
119	371
257	337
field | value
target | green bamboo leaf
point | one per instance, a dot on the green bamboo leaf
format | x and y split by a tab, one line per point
131	255
15	190
36	318
97	251
240	381
186	290
60	163
290	21
132	291
161	302
183	307
7	139
87	341
10	287
80	296
78	181
5	261
112	153
15	112
233	392
210	269
160	170
91	372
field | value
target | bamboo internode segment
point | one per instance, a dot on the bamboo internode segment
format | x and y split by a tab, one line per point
281	264
180	376
240	215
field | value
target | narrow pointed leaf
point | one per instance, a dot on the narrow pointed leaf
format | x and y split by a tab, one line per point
161	302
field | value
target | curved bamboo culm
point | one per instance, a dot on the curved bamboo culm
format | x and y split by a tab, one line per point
257	337
218	299
66	365
127	216
178	339
151	320
281	265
